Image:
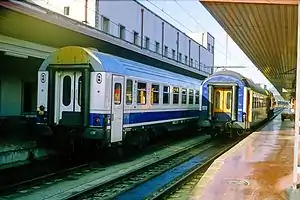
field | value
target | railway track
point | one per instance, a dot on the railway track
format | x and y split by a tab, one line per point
116	187
65	184
153	182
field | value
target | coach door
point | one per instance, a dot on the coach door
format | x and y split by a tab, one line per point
222	103
117	108
68	91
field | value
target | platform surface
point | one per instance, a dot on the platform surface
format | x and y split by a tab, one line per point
258	168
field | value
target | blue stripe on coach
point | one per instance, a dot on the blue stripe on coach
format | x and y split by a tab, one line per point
132	118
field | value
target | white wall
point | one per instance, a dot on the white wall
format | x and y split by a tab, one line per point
128	13
76	8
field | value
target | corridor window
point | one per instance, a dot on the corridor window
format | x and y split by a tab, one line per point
141	93
183	96
197	96
166	95
154	94
128	91
175	95
118	93
191	96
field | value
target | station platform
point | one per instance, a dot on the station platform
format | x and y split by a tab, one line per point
259	167
17	142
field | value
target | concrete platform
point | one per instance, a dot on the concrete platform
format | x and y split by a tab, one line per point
19	152
17	142
259	167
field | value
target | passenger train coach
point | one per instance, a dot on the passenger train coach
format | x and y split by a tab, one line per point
83	93
232	104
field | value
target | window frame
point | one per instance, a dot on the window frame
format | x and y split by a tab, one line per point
138	90
127	90
166	93
156	92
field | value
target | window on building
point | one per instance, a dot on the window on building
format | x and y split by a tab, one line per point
166	51
147	43
117	93
180	57
166	95
183	96
128	91
185	60
208	47
135	38
175	95
154	94
105	24
157	47
191	96
212	49
196	64
197	96
173	54
66	10
142	93
192	62
122	32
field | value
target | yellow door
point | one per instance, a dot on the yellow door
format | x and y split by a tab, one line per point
218	100
227	96
222	100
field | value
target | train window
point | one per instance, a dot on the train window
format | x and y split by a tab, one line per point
166	95
217	101
141	93
197	96
117	93
79	90
191	96
154	94
175	95
66	90
228	100
128	91
183	96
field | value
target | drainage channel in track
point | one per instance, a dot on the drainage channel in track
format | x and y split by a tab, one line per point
134	185
153	187
83	180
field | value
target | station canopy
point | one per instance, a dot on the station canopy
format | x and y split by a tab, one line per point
266	30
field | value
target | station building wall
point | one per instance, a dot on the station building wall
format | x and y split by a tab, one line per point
131	21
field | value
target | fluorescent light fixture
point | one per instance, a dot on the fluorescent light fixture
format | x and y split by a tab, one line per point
14	54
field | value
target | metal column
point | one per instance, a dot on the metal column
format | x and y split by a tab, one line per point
297	112
210	101
233	103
